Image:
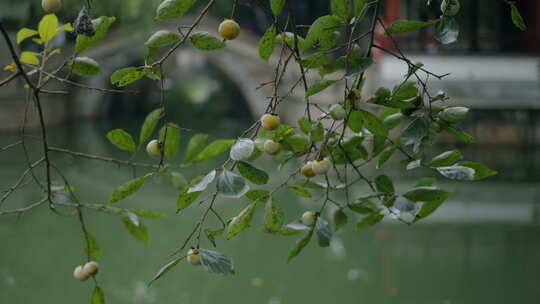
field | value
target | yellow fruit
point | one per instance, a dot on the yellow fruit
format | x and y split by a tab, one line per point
270	122
51	6
271	147
321	167
229	29
91	268
193	257
307	170
154	148
79	274
308	218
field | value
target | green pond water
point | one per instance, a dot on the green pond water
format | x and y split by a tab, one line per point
482	247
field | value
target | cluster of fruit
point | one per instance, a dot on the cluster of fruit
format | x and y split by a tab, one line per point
83	272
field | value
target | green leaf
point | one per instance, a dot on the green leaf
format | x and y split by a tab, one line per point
211	235
273	216
85	66
206	42
230	184
359	9
404	92
316	60
47	27
25	33
203	183
289	39
195	146
214	149
300	244
162	38
148	213
322	29
252	174
101	25
277	6
447	30
467	170
354	122
340	218
139	232
447	158
166	268
425	182
319	87
30	58
172	9
300	191
125	76
258	194
425	194
172	140
241	222
481	171
516	17
305	124
402	26
385	156
92	247
149	125
121	139
457	133
415	132
357	66
298	143
267	43
317	133
366	207
293	229
369	221
185	199
341	8
216	262
127	189
159	40
98	297
430	207
373	123
384	184
324	232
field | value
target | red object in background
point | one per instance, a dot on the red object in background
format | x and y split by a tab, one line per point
392	11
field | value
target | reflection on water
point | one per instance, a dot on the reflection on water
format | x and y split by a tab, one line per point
482	247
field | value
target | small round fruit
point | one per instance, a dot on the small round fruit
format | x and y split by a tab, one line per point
229	29
79	273
271	147
450	7
154	148
454	114
270	122
51	6
259	143
307	170
193	257
308	218
337	112
91	268
321	167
